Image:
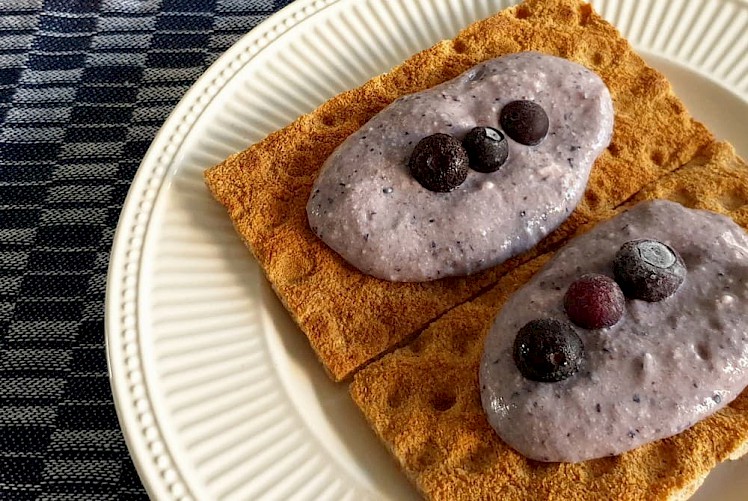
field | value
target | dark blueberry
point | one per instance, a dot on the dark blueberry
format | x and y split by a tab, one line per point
594	301
648	269
439	163
524	121
548	350
487	148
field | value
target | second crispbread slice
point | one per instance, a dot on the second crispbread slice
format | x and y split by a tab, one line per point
423	400
351	318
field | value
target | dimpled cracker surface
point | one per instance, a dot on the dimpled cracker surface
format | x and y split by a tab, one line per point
423	400
351	318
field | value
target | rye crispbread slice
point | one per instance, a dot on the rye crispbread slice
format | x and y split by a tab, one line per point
423	400
351	318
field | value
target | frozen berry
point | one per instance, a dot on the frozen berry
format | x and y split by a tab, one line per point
487	148
439	163
648	269
548	350
524	121
594	301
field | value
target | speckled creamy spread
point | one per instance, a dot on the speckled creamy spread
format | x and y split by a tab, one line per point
368	208
664	365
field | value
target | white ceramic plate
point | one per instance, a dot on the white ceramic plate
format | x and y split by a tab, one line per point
218	393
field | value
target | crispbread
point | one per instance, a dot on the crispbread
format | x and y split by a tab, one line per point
424	403
351	318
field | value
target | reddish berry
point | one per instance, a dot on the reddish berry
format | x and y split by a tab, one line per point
594	301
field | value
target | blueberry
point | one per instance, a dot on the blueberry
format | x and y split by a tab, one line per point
594	301
487	148
439	163
648	269
524	121
548	350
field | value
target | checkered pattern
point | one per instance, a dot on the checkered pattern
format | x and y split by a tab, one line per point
84	86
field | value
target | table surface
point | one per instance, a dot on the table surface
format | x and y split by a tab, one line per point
84	87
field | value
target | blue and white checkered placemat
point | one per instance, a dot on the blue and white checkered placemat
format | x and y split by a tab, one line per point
84	87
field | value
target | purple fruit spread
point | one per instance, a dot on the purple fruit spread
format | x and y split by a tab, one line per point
368	208
664	366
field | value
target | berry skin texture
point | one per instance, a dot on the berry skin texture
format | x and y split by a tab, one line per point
439	163
487	148
648	270
548	350
594	301
524	121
